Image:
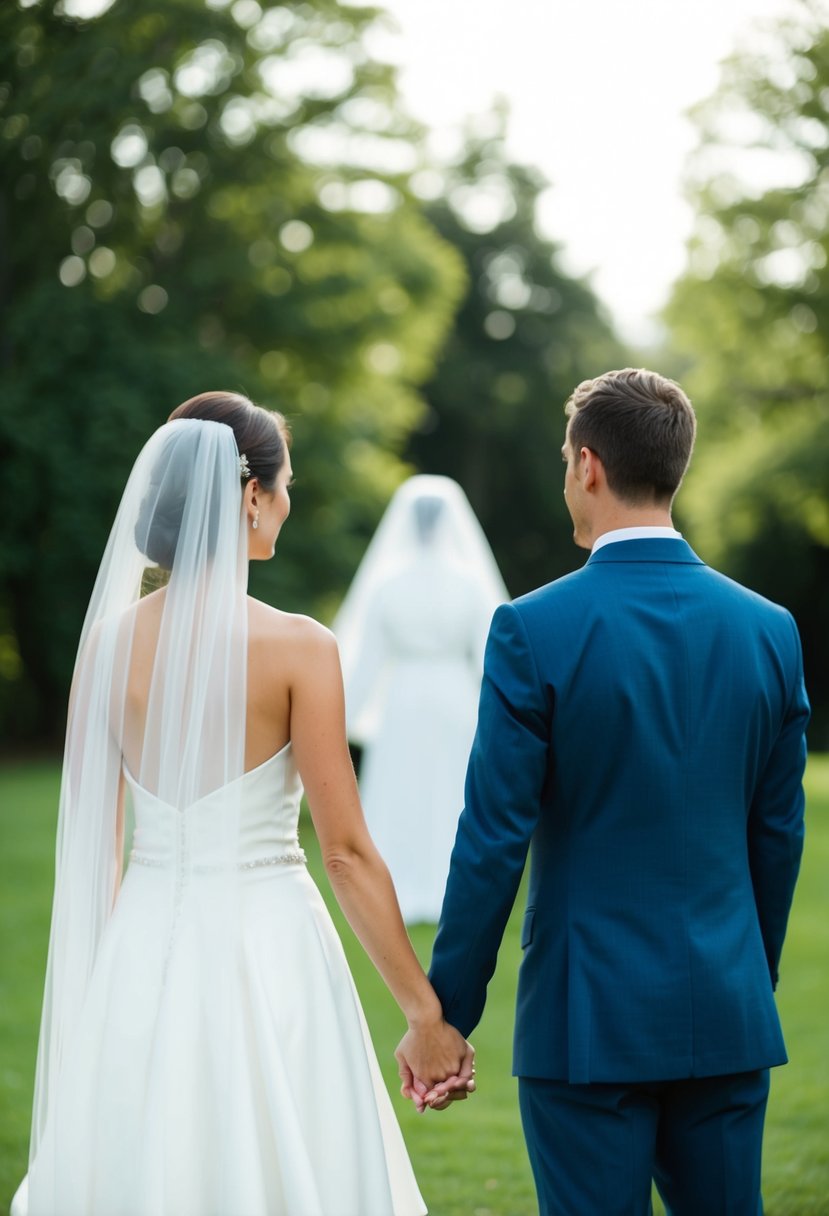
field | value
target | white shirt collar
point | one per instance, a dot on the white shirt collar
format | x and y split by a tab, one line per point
649	533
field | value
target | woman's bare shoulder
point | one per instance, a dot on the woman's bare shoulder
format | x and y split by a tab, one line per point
268	624
149	606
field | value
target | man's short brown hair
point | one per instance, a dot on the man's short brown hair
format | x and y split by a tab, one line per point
640	425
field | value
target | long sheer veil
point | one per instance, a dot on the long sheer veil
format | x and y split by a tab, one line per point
159	689
456	539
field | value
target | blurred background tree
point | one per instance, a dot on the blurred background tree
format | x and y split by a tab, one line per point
214	194
197	196
749	325
524	336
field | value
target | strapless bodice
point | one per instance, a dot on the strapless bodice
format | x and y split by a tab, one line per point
203	837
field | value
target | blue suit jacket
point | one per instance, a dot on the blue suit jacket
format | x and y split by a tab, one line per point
642	724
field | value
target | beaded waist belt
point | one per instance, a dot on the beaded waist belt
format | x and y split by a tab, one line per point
291	857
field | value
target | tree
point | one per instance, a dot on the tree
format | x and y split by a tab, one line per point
197	195
750	325
524	336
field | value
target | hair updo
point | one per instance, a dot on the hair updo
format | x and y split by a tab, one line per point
261	435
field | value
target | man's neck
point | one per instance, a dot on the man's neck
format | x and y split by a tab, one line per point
616	517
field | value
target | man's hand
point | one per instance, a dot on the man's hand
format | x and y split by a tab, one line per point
453	1089
436	1065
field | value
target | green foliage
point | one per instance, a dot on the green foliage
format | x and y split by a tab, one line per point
194	196
471	1159
525	335
750	324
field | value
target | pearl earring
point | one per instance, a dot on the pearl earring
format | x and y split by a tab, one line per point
255	521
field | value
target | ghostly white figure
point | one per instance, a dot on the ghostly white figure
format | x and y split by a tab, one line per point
412	631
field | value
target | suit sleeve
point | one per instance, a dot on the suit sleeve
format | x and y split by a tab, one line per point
504	783
775	824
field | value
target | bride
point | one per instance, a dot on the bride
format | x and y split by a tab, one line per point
202	1050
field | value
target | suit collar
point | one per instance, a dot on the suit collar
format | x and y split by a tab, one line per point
652	549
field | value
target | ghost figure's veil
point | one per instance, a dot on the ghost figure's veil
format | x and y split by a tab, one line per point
159	692
427	512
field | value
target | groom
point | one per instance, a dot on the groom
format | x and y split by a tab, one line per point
642	726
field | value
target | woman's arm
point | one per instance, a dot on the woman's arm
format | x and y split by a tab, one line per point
357	872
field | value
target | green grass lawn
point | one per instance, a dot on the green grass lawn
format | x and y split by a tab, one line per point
470	1160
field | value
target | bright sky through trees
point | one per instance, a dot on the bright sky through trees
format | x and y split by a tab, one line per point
597	91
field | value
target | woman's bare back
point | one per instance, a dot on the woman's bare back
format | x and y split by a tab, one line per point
273	640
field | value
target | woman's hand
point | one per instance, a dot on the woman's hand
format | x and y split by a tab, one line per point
436	1064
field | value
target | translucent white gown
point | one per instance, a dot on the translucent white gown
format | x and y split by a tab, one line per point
412	632
421	663
306	1124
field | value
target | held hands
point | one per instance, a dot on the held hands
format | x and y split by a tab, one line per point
436	1065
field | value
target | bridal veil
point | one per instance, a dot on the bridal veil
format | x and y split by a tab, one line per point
159	690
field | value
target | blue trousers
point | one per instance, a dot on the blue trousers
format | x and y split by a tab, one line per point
594	1149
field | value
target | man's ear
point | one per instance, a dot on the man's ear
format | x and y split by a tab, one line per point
592	471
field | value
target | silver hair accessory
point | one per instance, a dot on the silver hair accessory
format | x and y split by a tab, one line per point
244	467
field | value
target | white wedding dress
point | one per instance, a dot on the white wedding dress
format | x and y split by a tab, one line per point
306	1124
